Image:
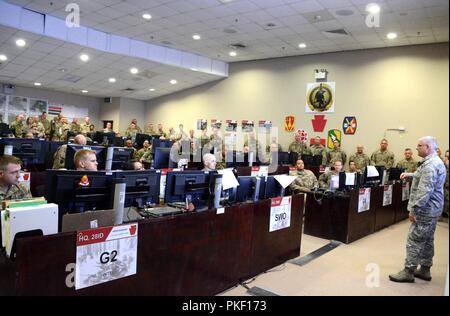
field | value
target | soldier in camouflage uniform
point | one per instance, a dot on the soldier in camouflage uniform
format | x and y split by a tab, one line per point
131	132
305	181
317	149
29	127
150	130
74	126
59	157
17	125
137	126
325	178
140	153
129	144
181	135
38	127
161	132
299	146
86	125
10	188
360	159
446	204
336	154
383	157
409	164
47	125
425	206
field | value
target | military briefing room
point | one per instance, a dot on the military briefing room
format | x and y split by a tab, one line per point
224	147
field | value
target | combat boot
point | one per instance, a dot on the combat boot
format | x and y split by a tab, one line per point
404	276
423	273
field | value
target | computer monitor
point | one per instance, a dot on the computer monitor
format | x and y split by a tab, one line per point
104	138
249	189
72	134
293	156
308	160
140	139
272	188
119	141
100	152
161	143
343	186
142	187
180	184
31	151
75	194
394	174
376	180
242	159
283	158
121	156
317	160
5	131
161	158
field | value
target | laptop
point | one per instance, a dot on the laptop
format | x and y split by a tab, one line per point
87	220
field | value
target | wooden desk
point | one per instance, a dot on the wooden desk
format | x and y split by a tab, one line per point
384	215
190	254
337	218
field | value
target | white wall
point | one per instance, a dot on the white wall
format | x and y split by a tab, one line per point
130	109
384	88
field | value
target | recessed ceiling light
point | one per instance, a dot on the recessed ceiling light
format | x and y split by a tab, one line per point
151	89
21	43
302	45
38	84
3	58
391	35
146	16
62	69
134	70
373	8
194	69
232	54
112	80
84	57
196	37
173	81
84	91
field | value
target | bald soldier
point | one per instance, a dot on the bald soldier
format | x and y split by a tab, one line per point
59	158
383	157
10	188
336	154
408	163
305	181
360	159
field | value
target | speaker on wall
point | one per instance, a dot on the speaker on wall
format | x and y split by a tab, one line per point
107	100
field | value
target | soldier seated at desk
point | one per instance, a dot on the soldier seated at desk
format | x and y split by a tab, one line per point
85	159
306	180
10	188
325	178
59	158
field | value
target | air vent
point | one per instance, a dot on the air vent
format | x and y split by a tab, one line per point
344	12
339	33
129	89
166	43
71	78
230	31
238	46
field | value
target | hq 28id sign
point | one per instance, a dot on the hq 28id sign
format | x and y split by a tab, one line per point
105	254
280	213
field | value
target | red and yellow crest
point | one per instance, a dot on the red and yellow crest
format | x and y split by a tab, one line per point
289	123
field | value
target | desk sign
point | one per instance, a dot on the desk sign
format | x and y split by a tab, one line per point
364	200
261	171
280	213
405	191
387	195
105	254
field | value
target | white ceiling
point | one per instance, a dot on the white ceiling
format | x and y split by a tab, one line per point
175	21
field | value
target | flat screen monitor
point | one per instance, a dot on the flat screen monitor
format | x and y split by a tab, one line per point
5	131
370	181
308	160
52	147
250	189
272	188
104	138
158	143
345	182
140	139
31	151
283	158
73	148
142	187
161	158
180	184
394	173
75	194
121	156
119	141
293	156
